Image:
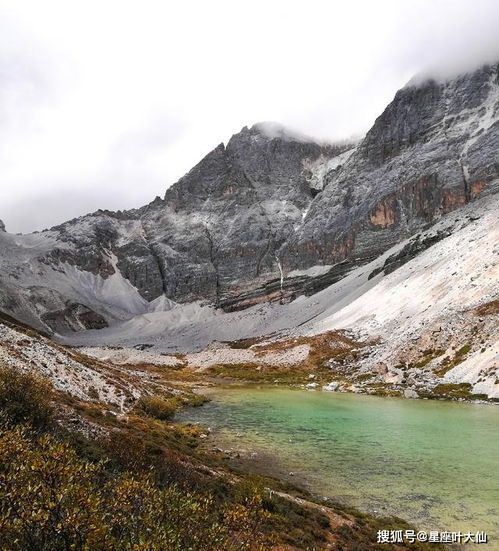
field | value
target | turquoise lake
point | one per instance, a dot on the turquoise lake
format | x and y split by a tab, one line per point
433	463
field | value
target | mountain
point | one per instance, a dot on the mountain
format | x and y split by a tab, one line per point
267	217
213	236
423	313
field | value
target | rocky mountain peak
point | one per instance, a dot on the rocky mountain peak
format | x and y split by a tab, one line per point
265	161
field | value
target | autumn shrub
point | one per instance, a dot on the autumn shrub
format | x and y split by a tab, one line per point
54	500
48	502
26	398
125	450
248	517
157	407
128	451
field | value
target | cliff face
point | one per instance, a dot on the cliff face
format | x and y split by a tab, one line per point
434	149
268	216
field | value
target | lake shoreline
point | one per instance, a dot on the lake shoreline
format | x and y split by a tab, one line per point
253	456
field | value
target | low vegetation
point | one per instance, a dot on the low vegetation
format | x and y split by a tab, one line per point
254	373
157	407
25	398
449	362
452	391
332	355
428	356
143	485
55	500
62	492
488	309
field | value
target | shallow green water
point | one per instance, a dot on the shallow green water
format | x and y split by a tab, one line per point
433	463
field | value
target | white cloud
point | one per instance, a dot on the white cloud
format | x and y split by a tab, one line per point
114	101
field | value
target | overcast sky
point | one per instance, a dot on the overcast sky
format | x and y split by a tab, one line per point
104	104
